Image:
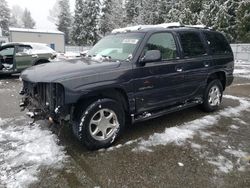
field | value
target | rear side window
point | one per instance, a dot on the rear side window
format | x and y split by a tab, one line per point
217	43
192	44
165	43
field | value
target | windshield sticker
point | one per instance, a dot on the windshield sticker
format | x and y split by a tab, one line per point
130	41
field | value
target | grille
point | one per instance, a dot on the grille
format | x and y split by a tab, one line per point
47	95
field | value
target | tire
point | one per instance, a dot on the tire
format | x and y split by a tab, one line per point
97	127
213	96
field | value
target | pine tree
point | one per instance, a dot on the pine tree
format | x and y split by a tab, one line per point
4	17
111	16
150	12
243	22
16	16
85	29
78	27
133	12
208	15
64	19
91	15
28	21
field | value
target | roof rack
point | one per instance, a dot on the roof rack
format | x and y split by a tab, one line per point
164	25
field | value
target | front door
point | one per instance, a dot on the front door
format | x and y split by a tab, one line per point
159	84
23	57
6	59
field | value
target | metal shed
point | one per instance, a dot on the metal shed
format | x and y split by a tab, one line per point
55	39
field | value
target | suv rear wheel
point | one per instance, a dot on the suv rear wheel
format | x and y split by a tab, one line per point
100	124
212	96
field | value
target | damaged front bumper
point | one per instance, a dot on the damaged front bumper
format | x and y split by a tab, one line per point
44	101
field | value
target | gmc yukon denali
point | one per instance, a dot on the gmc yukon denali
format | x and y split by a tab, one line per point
131	75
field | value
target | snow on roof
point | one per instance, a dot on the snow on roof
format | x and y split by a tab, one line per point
139	27
35	30
164	25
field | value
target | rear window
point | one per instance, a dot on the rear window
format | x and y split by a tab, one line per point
217	43
192	44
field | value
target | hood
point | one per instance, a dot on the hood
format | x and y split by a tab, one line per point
64	70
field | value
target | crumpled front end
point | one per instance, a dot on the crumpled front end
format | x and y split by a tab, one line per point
44	100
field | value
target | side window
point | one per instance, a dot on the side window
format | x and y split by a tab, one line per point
192	44
217	43
165	43
9	51
23	49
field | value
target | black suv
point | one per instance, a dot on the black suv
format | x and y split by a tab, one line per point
131	75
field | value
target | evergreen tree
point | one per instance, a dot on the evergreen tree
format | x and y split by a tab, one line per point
28	21
85	29
133	12
91	15
150	12
78	27
208	15
16	16
4	17
54	13
243	22
64	19
111	16
164	7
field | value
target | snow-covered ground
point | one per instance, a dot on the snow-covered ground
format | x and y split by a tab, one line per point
184	134
24	150
242	69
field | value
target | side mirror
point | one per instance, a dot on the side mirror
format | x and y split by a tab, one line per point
151	56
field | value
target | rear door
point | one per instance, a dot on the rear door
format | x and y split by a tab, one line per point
23	57
159	84
195	63
220	51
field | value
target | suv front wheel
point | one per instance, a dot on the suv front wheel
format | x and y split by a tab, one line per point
100	124
212	96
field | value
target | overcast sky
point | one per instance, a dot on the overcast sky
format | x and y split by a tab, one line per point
39	10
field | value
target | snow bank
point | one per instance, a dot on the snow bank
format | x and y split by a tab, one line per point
24	150
242	69
180	134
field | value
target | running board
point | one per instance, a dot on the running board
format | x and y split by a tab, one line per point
148	115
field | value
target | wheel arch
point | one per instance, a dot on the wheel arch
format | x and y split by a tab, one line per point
116	93
220	75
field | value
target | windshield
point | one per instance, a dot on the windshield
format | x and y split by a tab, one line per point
117	47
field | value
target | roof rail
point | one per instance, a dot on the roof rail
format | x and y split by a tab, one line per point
163	25
198	26
140	27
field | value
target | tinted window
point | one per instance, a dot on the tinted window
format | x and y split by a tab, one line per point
192	44
165	43
217	43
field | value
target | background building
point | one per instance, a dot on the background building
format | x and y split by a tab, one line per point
55	39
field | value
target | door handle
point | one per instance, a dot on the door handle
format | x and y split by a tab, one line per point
206	64
179	69
35	56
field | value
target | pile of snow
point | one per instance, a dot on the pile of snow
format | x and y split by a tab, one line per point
24	150
227	160
163	25
180	134
242	69
67	56
139	27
